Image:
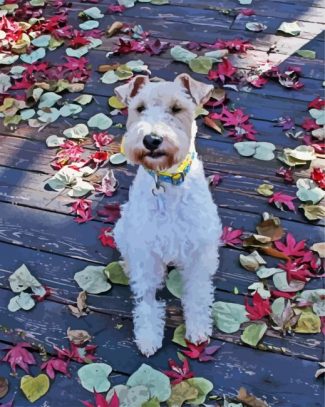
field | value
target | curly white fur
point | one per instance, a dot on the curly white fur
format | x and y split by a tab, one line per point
181	226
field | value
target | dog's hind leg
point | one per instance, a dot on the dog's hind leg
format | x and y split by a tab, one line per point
198	290
146	276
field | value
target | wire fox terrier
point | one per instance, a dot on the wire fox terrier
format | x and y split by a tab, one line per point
170	216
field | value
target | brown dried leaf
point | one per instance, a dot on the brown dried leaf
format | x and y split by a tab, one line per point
106	67
114	28
319	248
81	309
257	241
271	228
249	399
214	124
218	94
4	386
270	251
78	336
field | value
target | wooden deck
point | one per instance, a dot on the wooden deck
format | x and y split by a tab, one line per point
37	229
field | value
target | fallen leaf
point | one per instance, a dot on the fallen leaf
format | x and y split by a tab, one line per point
213	124
292	247
251	262
106	237
79	131
256	27
116	274
54	365
249	399
100	121
174	283
4	386
22	301
78	336
179	335
231	236
281	283
201	64
203	386
114	28
18	355
280	199
92	280
102	402
313	212
178	373
319	248
265	189
321	371
259	309
181	54
93	377
182	392
308	322
270	227
253	333
283	316
290	28
259	288
228	316
306	53
34	387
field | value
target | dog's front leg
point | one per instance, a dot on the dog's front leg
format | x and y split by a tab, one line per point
146	276
198	293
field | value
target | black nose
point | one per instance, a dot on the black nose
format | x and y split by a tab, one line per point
152	141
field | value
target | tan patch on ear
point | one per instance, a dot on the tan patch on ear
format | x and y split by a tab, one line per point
138	82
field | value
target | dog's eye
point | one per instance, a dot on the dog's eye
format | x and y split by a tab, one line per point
140	108
176	109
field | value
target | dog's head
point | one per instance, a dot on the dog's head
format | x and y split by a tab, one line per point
161	119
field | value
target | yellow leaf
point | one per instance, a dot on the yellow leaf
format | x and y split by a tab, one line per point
115	103
308	323
34	387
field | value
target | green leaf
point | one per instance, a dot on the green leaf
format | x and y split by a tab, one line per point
81	188
316	298
83	99
126	3
174	283
22	279
89	25
278	306
182	392
306	53
137	65
259	288
181	54
157	383
42	41
265	272
55	141
281	283
77	53
290	28
48	99
129	396
100	121
70	109
124	72
216	55
201	64
313	195
92	279
109	77
7	59
179	335
79	131
159	2
265	189
65	177
48	115
319	115
259	150
94	377
203	386
27	114
115	273
253	334
153	402
93	12
22	301
5	82
33	56
229	316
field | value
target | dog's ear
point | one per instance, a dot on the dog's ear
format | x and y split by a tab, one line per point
130	89
199	91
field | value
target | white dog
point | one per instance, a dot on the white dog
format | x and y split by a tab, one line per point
170	216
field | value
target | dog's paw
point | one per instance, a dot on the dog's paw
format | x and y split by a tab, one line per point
197	334
149	345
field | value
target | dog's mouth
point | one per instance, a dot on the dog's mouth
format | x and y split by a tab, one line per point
155	154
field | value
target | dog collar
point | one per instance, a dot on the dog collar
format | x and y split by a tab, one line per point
177	177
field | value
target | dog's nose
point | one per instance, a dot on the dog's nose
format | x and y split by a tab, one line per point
152	141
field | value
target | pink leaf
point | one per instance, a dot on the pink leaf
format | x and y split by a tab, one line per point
280	199
231	236
291	248
18	355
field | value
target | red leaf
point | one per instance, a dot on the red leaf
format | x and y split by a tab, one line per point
178	373
235	45
309	124
108	185
79	354
106	237
260	308
100	401
111	212
18	355
318	175
102	139
295	271
55	365
99	157
78	40
317	103
115	8
224	70
202	352
280	199
286	174
277	294
291	248
231	236
247	12
82	208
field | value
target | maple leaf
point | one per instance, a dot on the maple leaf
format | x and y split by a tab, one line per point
82	208
111	212
55	365
247	12
277	294
79	354
99	157
286	122
318	175
280	199
18	355
108	185
295	271
319	147
178	373
231	236
291	248
260	308
286	174
231	118
106	237
75	64
126	46
100	401
202	352
257	81
102	139
317	103
235	45
78	40
309	124
224	70
214	179
155	47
